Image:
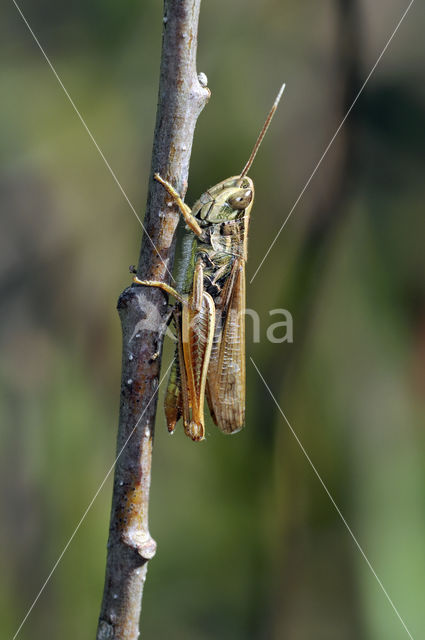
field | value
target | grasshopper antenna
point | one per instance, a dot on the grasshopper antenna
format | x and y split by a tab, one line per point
262	132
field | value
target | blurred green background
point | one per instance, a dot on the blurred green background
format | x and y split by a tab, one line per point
249	544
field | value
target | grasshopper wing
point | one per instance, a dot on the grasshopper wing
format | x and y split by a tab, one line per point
226	373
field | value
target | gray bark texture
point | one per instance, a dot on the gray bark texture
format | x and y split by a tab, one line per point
142	311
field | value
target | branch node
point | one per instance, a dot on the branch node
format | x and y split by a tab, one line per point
141	542
202	79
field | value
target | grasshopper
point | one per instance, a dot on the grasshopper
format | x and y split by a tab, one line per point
209	315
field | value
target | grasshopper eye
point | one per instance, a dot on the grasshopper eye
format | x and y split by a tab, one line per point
241	199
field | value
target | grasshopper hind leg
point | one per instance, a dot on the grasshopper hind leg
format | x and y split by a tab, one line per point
173	403
177	402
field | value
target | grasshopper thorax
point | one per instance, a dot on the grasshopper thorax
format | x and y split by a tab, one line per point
230	199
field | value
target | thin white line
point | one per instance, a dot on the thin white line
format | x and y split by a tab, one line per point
333	501
111	171
90	505
332	141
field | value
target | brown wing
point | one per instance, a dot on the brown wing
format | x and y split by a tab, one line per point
226	373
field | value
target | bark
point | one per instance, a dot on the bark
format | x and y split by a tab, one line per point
142	311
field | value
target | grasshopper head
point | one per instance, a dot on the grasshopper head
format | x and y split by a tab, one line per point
230	199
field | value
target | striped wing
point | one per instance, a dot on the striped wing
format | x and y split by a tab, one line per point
226	373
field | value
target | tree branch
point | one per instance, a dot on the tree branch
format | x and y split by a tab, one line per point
142	312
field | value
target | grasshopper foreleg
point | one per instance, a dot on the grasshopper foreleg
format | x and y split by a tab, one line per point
186	211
